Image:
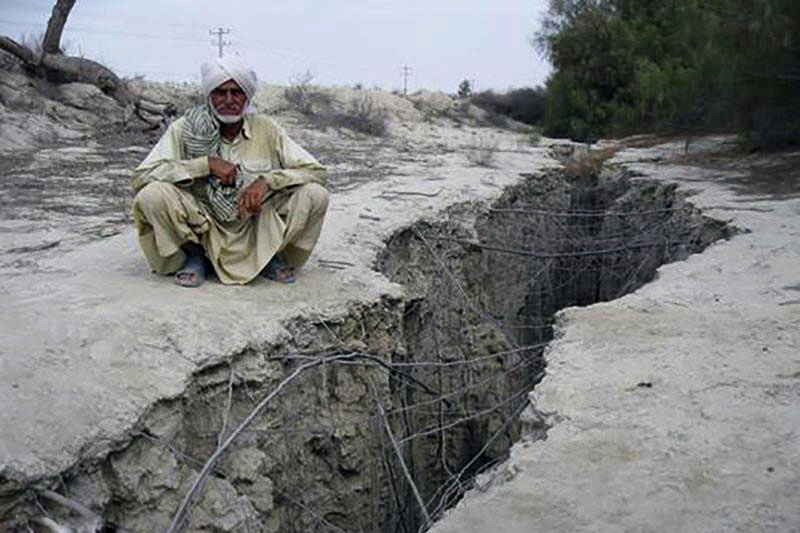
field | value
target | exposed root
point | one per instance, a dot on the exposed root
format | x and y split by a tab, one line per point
52	525
89	522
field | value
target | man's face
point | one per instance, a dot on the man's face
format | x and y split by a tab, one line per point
229	99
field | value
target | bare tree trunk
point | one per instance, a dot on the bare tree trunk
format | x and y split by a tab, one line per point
68	69
60	68
55	27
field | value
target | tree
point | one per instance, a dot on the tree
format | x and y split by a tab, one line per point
464	89
57	67
627	66
524	105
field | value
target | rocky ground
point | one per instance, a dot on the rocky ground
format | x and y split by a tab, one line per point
671	409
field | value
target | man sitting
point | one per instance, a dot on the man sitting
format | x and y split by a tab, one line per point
227	189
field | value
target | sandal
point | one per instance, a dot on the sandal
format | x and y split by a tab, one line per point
277	270
193	272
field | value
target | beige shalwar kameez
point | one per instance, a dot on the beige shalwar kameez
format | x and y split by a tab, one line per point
167	212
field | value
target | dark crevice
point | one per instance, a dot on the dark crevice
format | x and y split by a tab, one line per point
493	285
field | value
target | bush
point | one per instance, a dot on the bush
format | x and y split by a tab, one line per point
361	114
304	97
364	116
585	167
625	67
523	105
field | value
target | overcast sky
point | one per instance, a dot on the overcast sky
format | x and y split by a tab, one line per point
339	41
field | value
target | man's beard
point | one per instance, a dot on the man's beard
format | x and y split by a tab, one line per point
227	119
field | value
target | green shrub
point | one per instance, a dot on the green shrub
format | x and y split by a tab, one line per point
465	89
687	67
523	105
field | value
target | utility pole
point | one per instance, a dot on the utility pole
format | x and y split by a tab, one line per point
219	32
405	71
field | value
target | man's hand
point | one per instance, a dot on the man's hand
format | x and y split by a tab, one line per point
224	170
252	197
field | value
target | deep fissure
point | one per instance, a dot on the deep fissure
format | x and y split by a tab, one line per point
490	281
389	439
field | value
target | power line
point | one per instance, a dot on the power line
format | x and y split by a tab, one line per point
80	12
27	4
219	32
260	50
109	32
20	23
193	75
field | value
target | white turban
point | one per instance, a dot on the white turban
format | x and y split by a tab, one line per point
221	69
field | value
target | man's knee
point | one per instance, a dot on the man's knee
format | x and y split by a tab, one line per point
153	197
317	195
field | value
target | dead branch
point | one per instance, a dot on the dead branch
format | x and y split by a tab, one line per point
337	262
393	192
402	462
90	521
51	44
71	504
59	68
51	524
17	50
153	122
155	108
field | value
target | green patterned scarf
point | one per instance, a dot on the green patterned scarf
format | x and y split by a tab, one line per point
201	137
